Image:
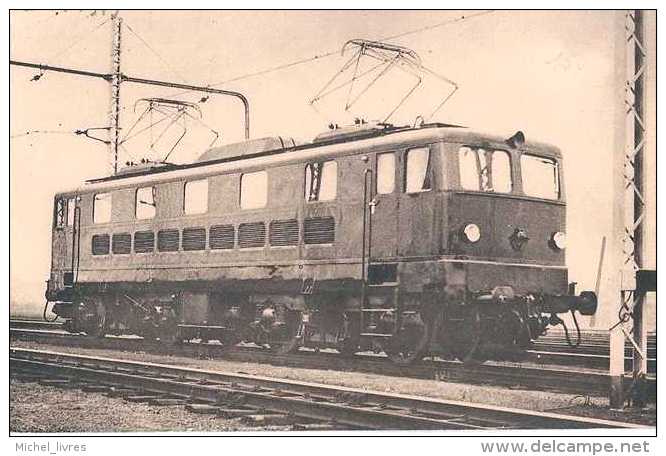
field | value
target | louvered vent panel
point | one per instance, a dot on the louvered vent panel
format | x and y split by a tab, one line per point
168	240
221	237
121	243
319	230
144	242
194	238
100	244
283	232
251	235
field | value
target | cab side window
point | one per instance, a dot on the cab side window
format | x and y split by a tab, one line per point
418	170
321	181
385	173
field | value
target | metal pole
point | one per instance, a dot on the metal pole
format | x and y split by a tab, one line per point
638	116
116	79
629	214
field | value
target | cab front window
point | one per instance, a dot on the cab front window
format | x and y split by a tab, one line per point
540	177
485	170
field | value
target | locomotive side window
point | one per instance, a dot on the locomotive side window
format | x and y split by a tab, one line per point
196	197
71	206
385	173
418	170
540	177
484	170
321	181
144	207
102	208
254	190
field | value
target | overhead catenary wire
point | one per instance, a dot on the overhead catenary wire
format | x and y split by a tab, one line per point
152	49
42	132
253	74
79	39
337	51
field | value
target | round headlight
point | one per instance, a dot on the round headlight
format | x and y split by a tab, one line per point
559	240
472	233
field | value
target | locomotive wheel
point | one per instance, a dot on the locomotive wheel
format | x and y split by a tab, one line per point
410	344
468	345
285	338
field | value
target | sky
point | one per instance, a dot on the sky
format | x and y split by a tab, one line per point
548	74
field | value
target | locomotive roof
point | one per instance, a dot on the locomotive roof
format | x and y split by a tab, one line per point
390	137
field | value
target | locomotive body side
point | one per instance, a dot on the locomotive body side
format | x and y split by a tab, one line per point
288	249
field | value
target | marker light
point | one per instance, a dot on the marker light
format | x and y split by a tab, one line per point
559	240
472	233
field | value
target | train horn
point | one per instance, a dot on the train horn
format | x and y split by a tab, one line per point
517	140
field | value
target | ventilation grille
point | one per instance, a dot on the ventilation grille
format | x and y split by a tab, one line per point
168	240
100	244
221	237
194	238
319	230
251	235
283	232
121	243
144	242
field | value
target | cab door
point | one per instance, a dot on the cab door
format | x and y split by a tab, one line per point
419	214
383	206
63	245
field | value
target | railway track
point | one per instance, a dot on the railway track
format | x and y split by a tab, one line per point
262	399
594	342
585	382
551	349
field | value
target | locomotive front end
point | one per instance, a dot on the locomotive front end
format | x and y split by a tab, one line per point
507	239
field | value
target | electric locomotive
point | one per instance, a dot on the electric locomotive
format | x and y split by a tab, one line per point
431	239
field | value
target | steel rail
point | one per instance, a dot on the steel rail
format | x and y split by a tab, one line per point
580	382
355	408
